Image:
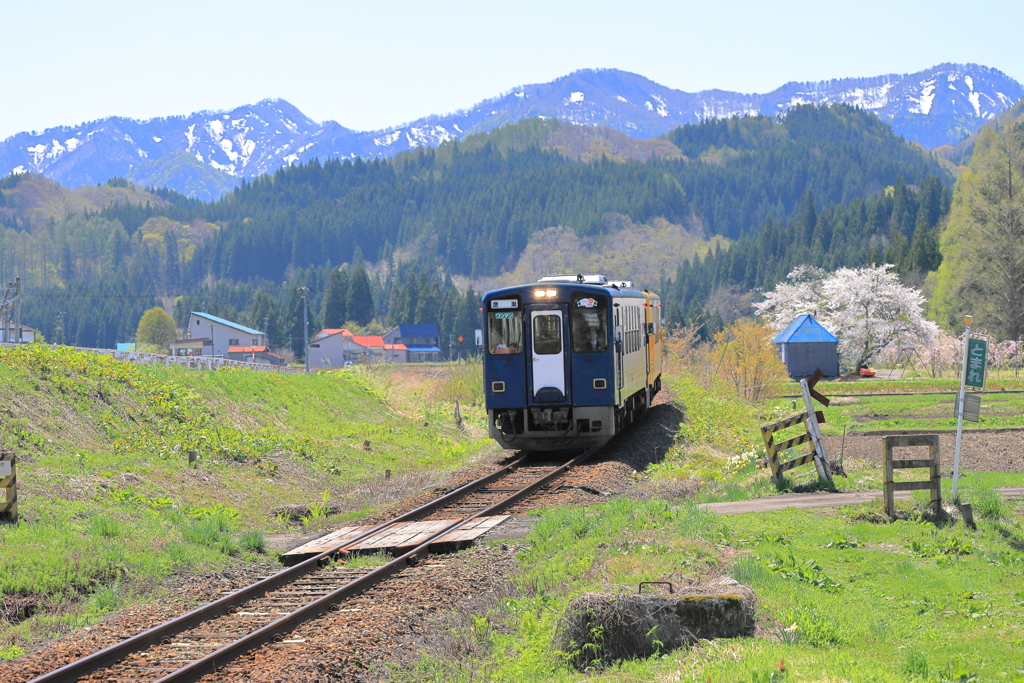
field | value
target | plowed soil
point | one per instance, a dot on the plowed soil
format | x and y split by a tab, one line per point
998	450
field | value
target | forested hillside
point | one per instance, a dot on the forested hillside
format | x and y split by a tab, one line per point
828	185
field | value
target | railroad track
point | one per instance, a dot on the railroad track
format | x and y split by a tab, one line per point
207	639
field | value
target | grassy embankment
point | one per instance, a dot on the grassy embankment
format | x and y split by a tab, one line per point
110	507
845	594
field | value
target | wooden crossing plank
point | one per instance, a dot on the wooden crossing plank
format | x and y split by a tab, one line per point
405	535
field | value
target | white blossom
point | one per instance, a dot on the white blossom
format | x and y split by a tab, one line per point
867	309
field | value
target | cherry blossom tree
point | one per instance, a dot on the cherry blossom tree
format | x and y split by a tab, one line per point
866	308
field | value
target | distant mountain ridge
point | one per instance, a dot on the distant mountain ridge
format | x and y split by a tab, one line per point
205	154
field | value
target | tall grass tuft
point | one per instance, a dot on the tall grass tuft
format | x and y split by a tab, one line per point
107	527
989	504
915	664
105	599
464	382
253	541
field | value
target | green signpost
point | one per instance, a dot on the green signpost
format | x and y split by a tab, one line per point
977	350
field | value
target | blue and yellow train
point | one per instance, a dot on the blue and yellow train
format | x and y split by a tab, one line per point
570	361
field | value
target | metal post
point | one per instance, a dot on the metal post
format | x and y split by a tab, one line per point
17	311
960	407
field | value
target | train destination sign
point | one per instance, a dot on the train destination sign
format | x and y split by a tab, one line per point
977	350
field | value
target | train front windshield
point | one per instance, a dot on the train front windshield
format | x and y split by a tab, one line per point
589	324
505	332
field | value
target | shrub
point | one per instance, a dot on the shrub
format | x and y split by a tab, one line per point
747	360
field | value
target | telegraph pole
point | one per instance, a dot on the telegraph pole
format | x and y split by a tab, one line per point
305	326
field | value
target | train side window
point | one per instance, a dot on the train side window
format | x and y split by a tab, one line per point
505	332
547	334
589	325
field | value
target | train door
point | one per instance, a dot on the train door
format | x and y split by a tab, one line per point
647	333
548	364
621	370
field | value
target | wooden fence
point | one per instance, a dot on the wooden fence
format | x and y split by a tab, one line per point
772	449
810	419
194	362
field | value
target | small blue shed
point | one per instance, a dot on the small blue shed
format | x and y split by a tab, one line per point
805	346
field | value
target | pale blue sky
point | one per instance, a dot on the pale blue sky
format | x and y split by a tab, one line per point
370	65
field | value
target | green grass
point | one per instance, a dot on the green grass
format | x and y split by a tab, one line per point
919	412
719	447
110	507
844	594
841	599
895	386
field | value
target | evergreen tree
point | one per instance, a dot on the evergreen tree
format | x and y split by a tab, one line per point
335	313
359	299
428	307
291	324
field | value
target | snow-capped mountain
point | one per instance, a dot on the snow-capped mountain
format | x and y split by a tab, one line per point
206	153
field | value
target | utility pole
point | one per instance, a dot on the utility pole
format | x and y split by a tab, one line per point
305	326
60	326
10	312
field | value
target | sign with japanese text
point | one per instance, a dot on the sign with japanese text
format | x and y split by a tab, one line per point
977	350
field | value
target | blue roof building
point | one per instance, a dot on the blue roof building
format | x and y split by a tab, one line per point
422	340
806	346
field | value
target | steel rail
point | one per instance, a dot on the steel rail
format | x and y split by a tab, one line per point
215	660
113	654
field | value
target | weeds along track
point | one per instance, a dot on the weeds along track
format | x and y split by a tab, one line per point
208	639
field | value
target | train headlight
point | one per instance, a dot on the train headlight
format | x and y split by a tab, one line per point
539	293
551	292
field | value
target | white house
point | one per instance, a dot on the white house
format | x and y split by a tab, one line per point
223	333
28	334
336	347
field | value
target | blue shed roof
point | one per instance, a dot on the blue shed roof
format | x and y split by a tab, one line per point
416	330
805	329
